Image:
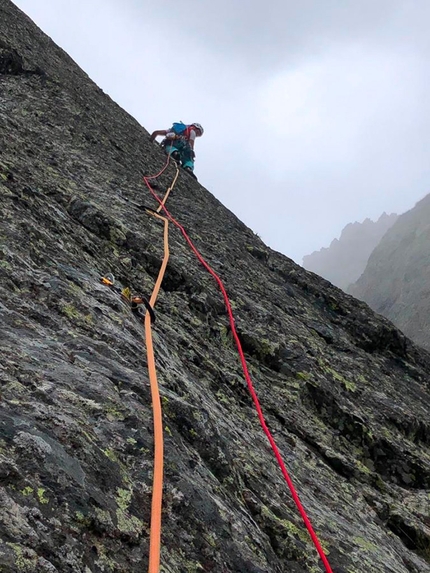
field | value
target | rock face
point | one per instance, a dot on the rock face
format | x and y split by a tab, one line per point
345	393
396	281
345	259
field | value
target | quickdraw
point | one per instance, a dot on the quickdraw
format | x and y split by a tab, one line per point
135	301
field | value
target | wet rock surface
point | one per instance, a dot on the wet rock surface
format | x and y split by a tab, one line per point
345	393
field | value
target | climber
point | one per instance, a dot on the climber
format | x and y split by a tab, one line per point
179	143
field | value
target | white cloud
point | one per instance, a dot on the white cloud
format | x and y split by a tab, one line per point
326	111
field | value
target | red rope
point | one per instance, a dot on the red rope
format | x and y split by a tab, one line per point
145	177
250	385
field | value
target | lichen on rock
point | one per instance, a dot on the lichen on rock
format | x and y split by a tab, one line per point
345	394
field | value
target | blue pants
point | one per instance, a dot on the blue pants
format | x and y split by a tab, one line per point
184	150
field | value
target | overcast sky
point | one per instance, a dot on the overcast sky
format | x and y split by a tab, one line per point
316	112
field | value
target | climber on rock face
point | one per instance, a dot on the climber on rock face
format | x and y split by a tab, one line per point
179	142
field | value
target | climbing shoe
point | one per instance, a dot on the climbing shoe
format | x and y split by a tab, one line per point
190	172
175	155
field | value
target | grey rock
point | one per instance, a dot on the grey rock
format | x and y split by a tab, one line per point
345	393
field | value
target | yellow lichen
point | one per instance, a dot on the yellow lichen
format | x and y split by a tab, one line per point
27	491
41	496
70	311
109	453
126	523
25	559
303	375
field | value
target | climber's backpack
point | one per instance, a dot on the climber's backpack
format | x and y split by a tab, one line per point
179	129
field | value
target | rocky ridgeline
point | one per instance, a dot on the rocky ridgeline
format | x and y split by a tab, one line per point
345	393
397	277
345	259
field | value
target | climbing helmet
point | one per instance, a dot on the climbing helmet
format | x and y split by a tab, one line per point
199	127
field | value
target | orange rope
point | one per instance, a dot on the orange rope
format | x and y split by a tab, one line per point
157	482
162	203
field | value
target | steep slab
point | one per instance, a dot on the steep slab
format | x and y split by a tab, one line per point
344	392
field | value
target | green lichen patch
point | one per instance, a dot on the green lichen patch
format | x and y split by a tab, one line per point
27	491
126	522
41	496
25	558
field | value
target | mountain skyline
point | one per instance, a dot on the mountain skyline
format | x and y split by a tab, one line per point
396	278
343	262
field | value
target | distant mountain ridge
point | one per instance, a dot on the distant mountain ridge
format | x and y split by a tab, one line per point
345	259
396	281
